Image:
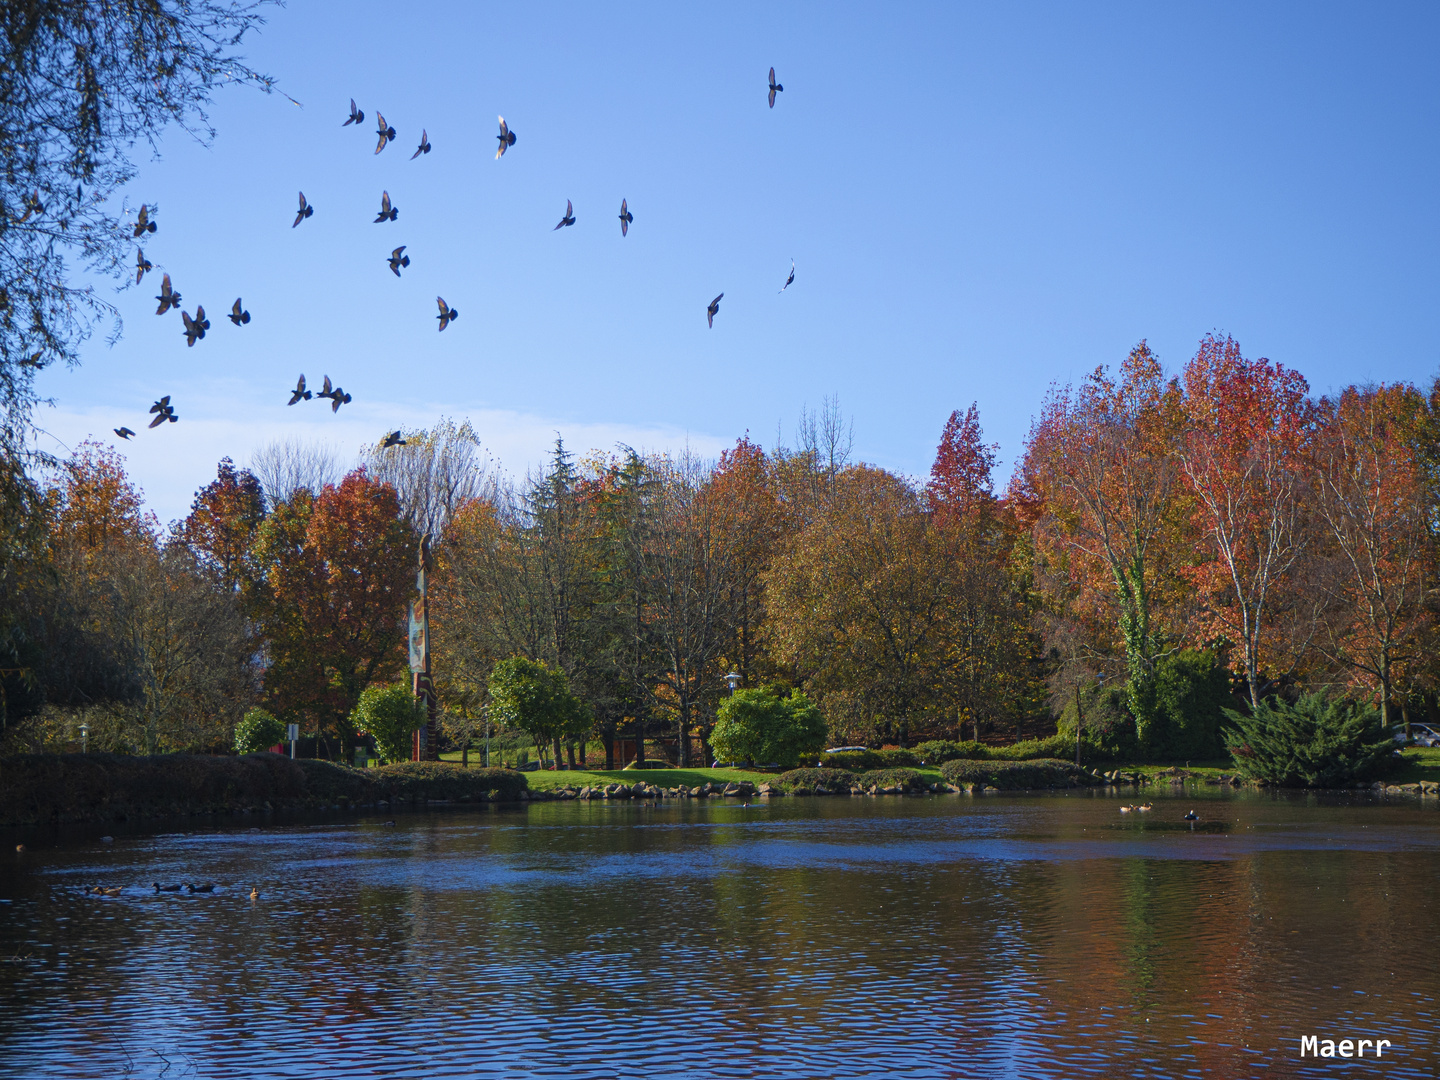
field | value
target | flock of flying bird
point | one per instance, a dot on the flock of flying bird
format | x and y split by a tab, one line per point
195	327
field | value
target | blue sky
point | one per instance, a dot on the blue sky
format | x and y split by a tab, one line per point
980	201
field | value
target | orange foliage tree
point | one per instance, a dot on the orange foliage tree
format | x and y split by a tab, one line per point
221	527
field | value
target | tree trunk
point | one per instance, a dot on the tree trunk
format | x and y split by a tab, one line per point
572	757
607	736
559	754
682	750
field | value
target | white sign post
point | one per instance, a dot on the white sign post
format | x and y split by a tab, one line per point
293	734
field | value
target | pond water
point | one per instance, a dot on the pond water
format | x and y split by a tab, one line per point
1004	936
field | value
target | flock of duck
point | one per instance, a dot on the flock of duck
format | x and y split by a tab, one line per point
196	326
189	887
1145	808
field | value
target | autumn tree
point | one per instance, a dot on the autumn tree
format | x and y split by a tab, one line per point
435	472
221	527
1242	449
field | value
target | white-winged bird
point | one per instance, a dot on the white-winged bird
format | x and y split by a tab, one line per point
569	218
625	218
123	432
142	264
424	145
387	212
791	278
775	88
506	137
305	210
337	398
195	328
143	224
238	317
386	133
398	259
299	393
357	116
393	439
168	297
447	314
712	309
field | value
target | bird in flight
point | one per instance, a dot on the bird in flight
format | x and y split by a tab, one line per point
123	432
142	264
712	309
195	328
506	137
569	218
424	145
393	439
338	397
625	218
357	116
164	410
299	393
387	212
447	313
168	297
397	260
305	210
775	88
791	278
386	133
326	390
238	317
143	224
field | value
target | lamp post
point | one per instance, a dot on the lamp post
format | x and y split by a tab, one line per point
734	680
84	738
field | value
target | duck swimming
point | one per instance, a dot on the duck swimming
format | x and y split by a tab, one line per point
165	888
192	888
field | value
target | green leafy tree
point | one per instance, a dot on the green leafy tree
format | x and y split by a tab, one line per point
760	725
1317	742
536	698
392	714
257	732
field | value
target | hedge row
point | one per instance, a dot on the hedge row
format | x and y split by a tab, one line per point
36	788
1012	775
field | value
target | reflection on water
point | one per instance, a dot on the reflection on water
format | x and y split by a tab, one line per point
919	937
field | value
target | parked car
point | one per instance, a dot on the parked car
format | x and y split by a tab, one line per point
1420	735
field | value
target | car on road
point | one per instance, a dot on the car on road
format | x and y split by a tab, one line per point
1420	735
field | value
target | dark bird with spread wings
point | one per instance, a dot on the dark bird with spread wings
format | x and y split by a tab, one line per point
195	328
326	390
625	218
168	297
237	316
299	393
357	116
506	137
338	397
142	265
305	210
164	411
387	212
123	432
424	145
393	439
790	280
386	133
398	259
569	218
143	224
712	309
447	314
775	88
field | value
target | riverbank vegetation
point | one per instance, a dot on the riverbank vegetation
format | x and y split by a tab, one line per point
1167	549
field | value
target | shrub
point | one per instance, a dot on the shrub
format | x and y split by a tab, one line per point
908	779
1317	742
1109	733
835	781
257	731
1056	746
420	780
893	757
855	760
1012	775
535	698
762	726
1192	692
939	751
392	714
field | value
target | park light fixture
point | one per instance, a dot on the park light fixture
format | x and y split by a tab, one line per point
84	738
734	680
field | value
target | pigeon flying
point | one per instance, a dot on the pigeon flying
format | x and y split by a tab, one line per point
337	398
326	390
142	264
386	133
305	210
791	278
123	432
397	260
168	297
195	328
161	405
143	224
447	313
238	317
569	218
387	212
393	439
506	137
424	145
357	116
712	309
299	393
775	88
625	218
